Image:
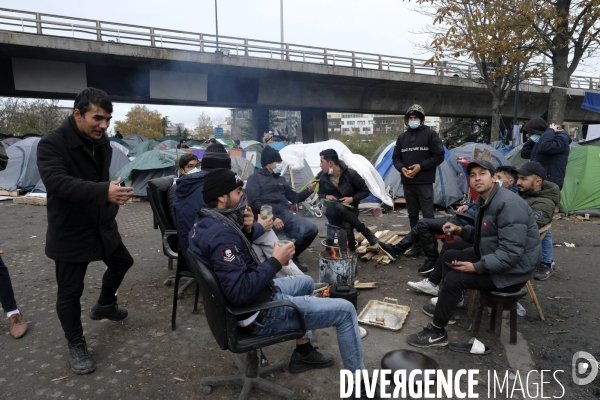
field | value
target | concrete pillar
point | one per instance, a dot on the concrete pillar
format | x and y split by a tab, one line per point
260	122
314	125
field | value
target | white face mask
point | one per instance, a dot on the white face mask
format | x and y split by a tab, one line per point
414	124
330	172
278	168
193	171
499	182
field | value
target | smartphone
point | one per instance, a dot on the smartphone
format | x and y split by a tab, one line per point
451	265
122	184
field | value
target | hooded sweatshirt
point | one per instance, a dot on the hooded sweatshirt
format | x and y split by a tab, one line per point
188	200
418	146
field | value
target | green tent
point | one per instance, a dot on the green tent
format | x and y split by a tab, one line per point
143	147
581	190
170	137
149	165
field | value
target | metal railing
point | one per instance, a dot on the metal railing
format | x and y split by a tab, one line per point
104	31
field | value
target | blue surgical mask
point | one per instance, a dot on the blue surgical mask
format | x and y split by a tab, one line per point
414	124
278	168
535	138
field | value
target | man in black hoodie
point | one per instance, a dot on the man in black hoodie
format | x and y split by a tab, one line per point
418	152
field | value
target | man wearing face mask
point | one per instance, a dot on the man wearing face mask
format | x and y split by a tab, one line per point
267	186
186	163
418	152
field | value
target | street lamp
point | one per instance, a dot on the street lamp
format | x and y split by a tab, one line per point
217	27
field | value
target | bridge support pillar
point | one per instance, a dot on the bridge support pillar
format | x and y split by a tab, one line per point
260	122
314	125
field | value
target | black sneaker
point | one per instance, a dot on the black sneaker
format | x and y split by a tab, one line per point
388	250
81	361
543	272
111	312
428	338
312	360
300	266
415	251
429	310
428	266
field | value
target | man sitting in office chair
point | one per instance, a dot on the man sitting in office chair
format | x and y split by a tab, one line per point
222	239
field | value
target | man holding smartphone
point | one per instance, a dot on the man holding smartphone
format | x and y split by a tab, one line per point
504	257
74	161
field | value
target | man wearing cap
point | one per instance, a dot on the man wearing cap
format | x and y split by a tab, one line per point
504	257
222	239
267	186
542	196
418	152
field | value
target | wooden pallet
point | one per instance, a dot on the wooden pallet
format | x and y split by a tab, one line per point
31	200
13	193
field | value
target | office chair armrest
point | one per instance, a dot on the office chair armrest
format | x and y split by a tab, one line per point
267	306
166	246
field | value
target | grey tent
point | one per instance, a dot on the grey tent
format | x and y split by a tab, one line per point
149	165
22	171
120	147
239	164
167	144
468	149
39	188
253	145
302	175
134	140
514	157
118	160
10	141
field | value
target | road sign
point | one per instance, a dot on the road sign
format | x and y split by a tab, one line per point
218	133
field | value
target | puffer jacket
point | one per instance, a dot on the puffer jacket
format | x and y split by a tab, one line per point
265	188
418	146
351	184
506	237
552	151
542	203
188	200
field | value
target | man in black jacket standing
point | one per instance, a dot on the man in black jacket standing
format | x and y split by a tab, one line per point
74	161
418	151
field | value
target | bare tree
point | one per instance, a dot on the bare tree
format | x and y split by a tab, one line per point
204	128
19	117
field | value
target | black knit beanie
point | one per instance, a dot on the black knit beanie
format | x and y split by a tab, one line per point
216	148
536	126
218	182
269	155
215	160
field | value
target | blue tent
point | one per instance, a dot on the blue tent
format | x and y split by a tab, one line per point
277	145
591	101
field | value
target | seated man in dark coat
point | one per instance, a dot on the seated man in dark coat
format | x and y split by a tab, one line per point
344	188
505	255
267	186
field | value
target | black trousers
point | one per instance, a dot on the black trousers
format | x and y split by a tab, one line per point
342	217
70	279
418	197
423	235
456	282
435	276
7	296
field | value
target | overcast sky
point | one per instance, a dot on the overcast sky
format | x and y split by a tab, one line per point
376	26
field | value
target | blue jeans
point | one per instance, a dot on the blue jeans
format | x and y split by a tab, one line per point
298	228
318	313
7	296
547	248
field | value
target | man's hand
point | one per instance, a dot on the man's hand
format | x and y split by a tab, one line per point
346	200
248	220
462	208
406	173
448	226
278	224
283	254
330	197
117	194
312	184
415	168
463	266
266	223
556	128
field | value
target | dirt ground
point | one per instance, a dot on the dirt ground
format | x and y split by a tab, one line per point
142	358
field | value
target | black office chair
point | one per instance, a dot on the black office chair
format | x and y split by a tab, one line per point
221	318
157	194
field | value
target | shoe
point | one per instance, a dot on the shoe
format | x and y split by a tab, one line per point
402	247
363	332
111	312
428	338
460	303
17	327
388	250
300	266
414	252
543	272
312	360
429	309
425	286
428	266
81	361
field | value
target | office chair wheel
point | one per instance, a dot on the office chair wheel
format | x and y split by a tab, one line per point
207	389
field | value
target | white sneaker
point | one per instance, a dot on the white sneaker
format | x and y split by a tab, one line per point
363	332
425	286
460	303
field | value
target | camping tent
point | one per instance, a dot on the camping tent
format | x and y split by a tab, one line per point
170	137
120	147
372	178
196	143
239	164
581	190
450	180
149	165
119	159
253	145
121	142
468	150
167	144
278	145
310	152
380	152
300	170
21	171
134	140
11	141
143	147
514	157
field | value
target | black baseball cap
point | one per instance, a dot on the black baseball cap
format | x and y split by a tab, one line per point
532	168
483	164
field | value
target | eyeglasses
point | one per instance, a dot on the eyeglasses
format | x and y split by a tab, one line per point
191	166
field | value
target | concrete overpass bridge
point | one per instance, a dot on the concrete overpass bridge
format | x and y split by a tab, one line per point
50	56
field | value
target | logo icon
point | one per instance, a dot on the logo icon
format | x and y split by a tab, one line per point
583	362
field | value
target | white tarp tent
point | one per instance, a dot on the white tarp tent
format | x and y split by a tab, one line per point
366	170
310	152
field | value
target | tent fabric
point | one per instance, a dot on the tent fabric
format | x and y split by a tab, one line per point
196	143
39	188
134	140
143	147
167	144
120	147
591	101
467	151
170	137
300	170
381	152
277	145
253	145
149	165
514	157
372	178
119	159
238	164
581	189
11	141
21	171
310	152
121	142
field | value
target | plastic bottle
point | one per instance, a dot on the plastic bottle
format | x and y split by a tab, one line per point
521	311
